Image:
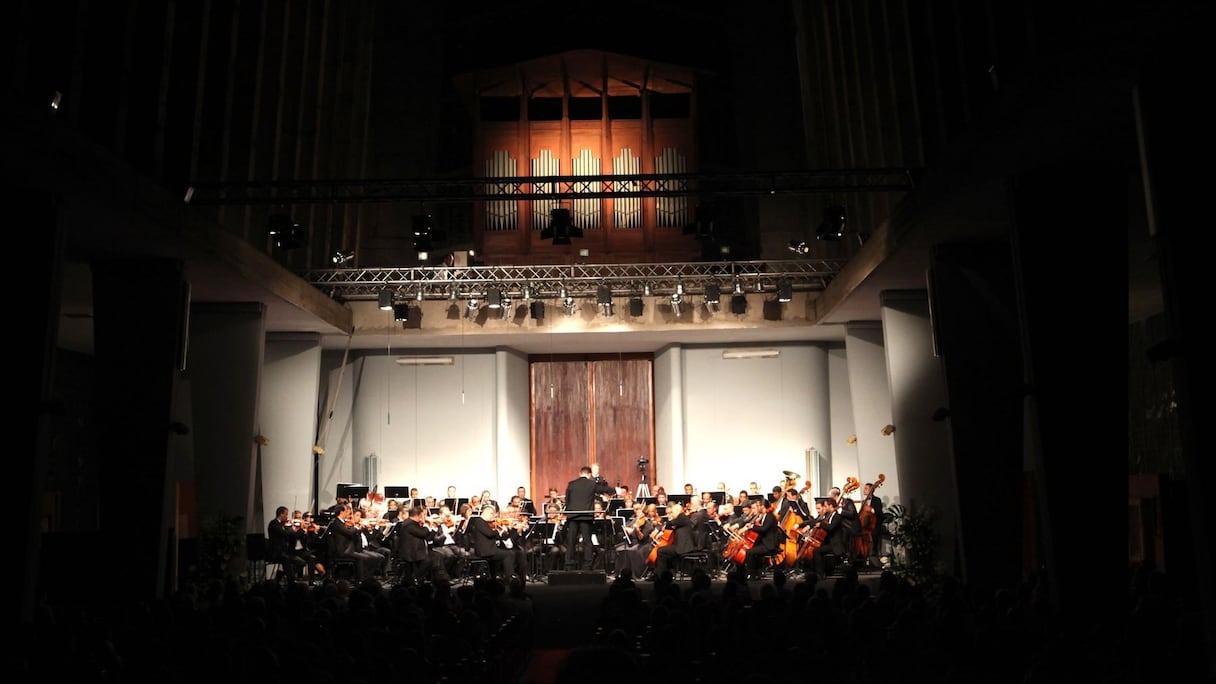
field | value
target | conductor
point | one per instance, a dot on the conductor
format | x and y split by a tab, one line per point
580	500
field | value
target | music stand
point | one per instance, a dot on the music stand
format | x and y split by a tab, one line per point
401	492
455	504
625	514
392	515
682	499
544	532
660	511
647	500
614	504
718	497
420	503
352	492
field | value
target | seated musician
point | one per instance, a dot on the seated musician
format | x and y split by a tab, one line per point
833	546
281	538
347	541
633	551
373	535
487	539
447	545
551	549
681	543
412	541
764	524
518	525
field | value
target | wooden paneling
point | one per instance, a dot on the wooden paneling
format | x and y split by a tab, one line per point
589	409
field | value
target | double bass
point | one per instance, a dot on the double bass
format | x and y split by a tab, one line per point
789	525
869	520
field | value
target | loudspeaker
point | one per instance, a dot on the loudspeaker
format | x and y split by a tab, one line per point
635	306
537	309
738	304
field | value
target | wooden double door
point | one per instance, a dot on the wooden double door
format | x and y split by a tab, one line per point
591	409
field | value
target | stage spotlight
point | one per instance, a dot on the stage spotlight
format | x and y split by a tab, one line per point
800	247
676	302
385	299
401	312
635	306
560	229
341	257
785	291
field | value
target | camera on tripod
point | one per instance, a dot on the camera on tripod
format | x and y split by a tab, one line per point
642	464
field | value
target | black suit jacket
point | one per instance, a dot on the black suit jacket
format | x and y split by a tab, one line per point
766	533
411	540
681	534
344	540
848	511
485	538
280	540
833	525
580	496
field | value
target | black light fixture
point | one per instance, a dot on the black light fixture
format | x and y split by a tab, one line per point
340	257
833	225
560	230
285	232
401	312
494	297
738	303
537	310
472	307
785	291
635	306
713	298
385	299
570	305
801	246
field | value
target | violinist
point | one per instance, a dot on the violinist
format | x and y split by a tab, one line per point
411	546
551	549
347	541
281	537
308	542
517	526
487	542
447	545
374	536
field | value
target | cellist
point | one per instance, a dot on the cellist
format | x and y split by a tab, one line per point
765	527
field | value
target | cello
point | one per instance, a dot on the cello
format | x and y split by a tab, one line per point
663	536
868	521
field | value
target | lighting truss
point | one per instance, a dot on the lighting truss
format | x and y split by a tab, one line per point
552	187
575	280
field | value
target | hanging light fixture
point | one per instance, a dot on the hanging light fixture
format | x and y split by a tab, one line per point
385	299
340	257
785	291
676	301
713	297
833	226
494	297
401	312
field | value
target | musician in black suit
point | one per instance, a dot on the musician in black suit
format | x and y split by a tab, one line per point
487	542
281	538
834	546
580	498
412	544
681	539
766	529
869	498
850	522
348	541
